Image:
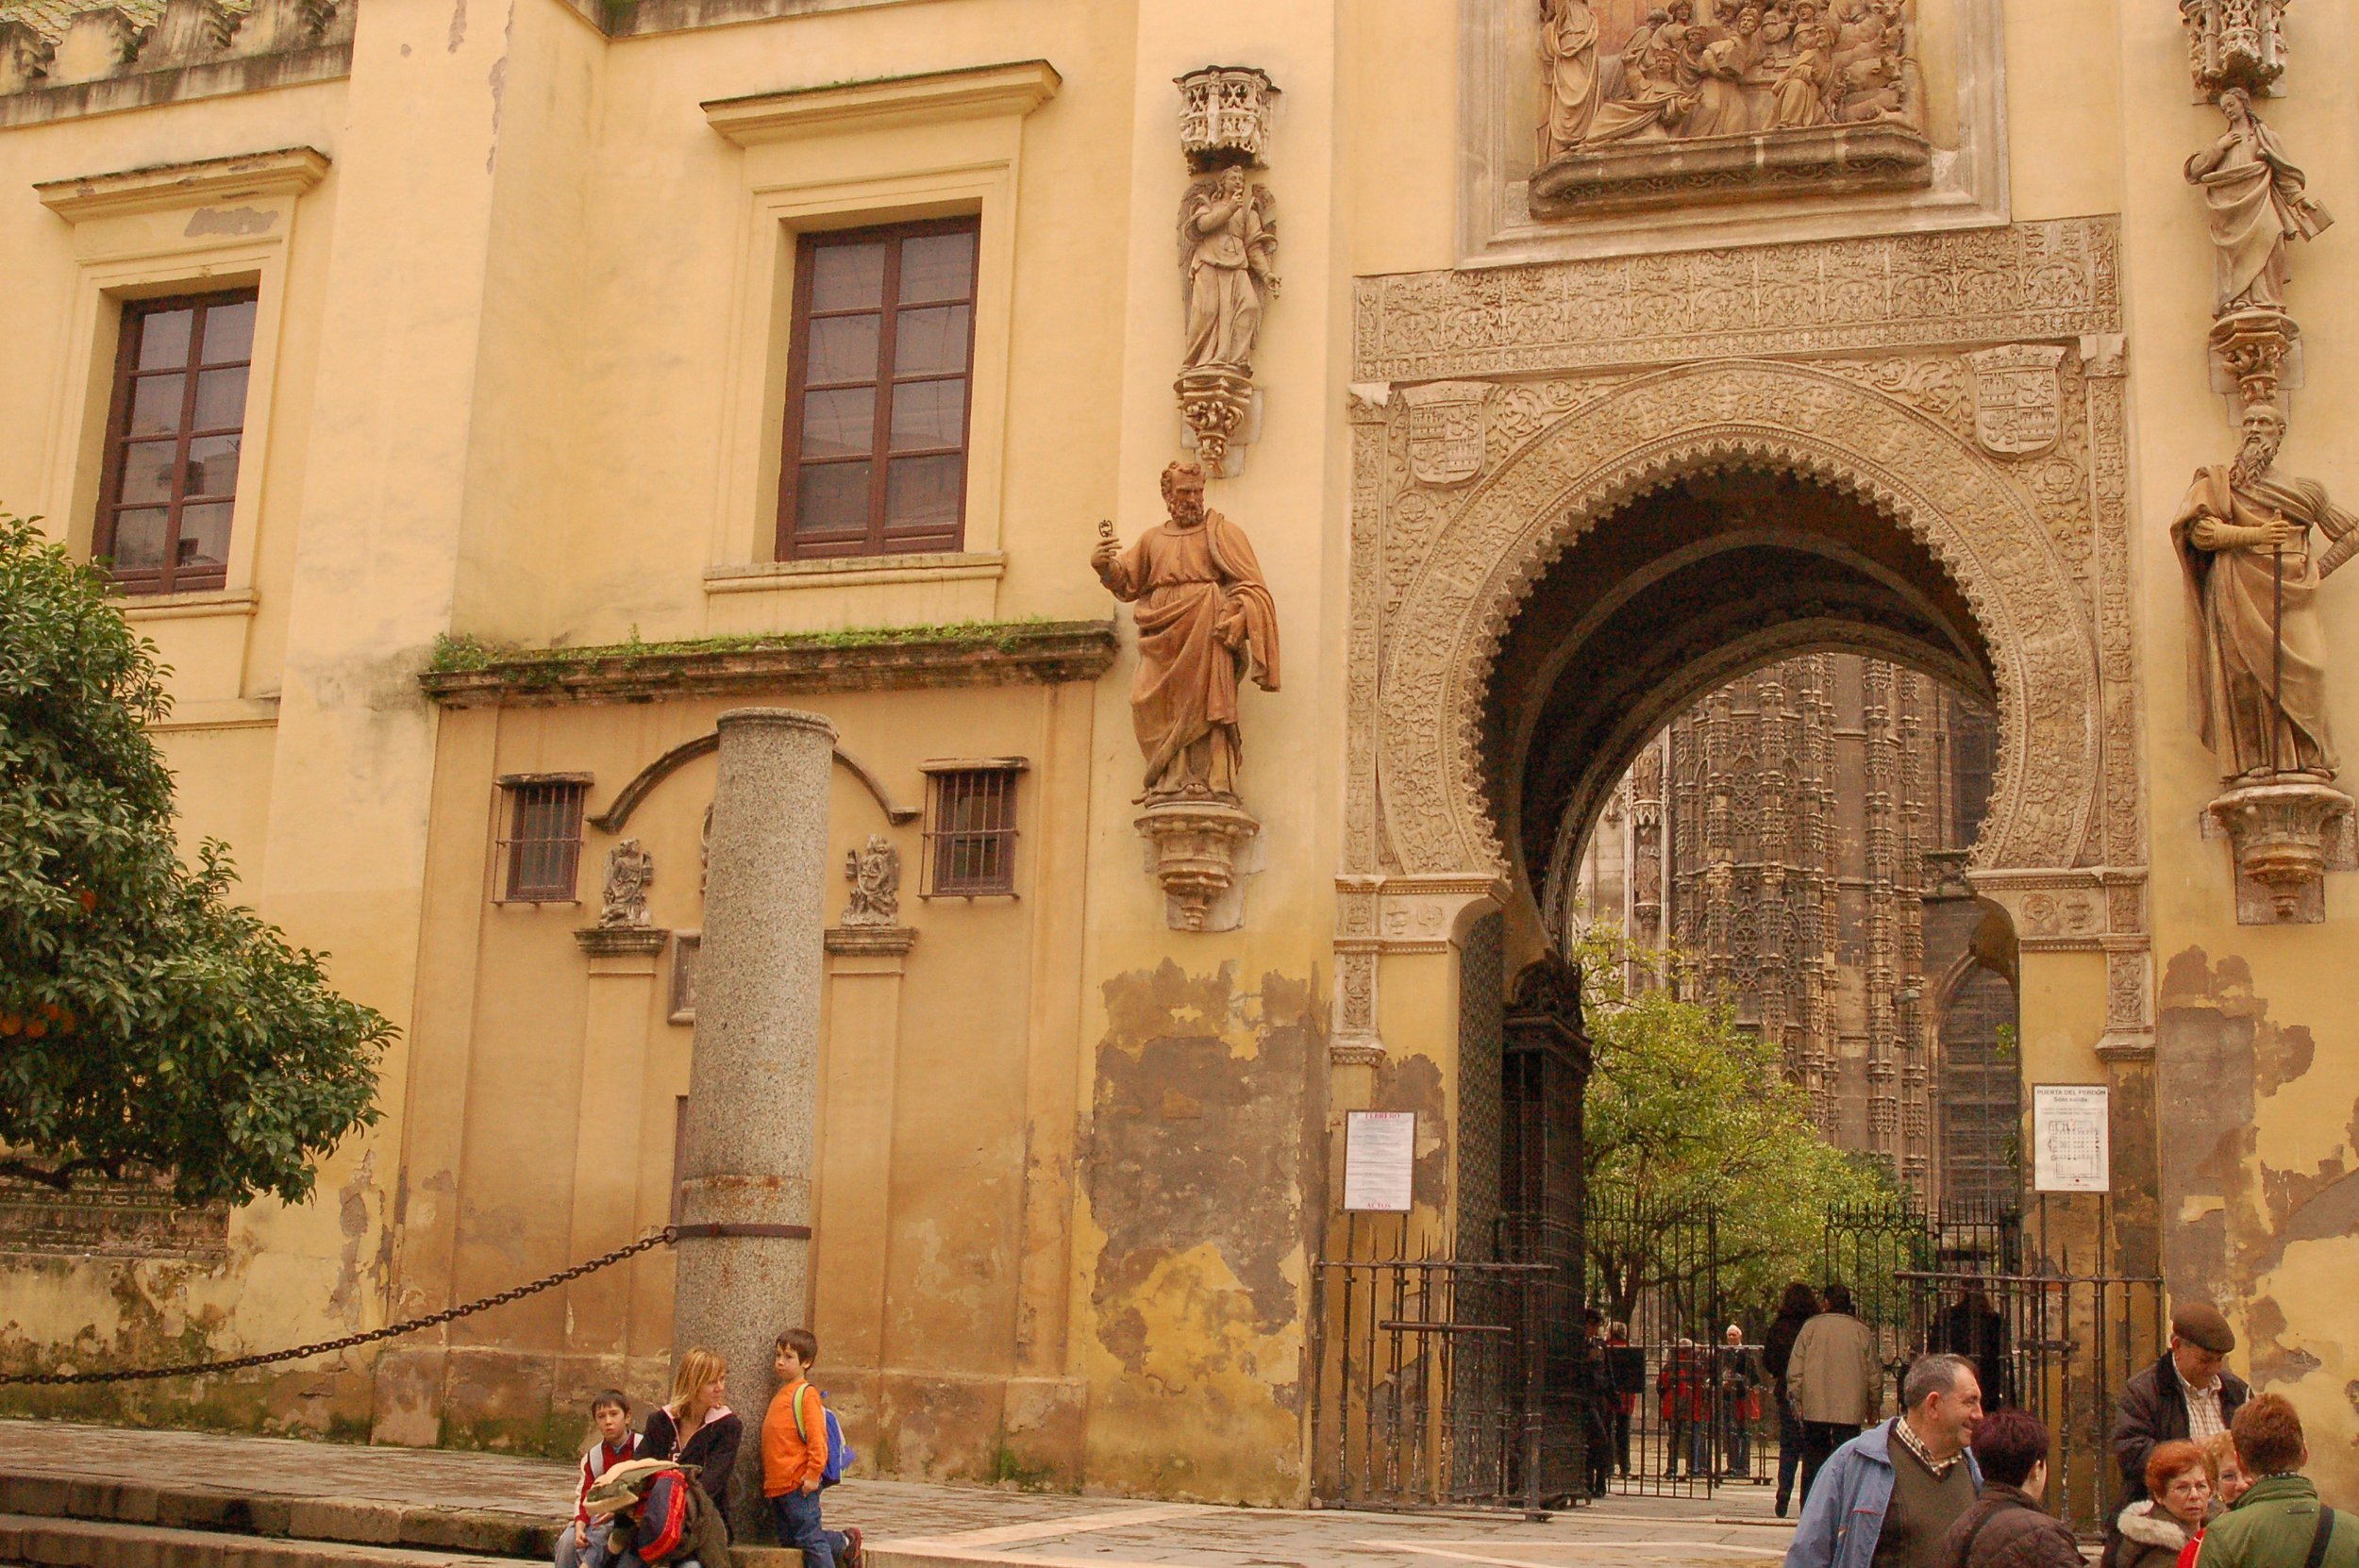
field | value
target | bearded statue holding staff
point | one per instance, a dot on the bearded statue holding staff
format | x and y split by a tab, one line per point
2259	666
1206	622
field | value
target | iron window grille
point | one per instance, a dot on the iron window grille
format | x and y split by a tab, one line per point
970	829
543	846
174	427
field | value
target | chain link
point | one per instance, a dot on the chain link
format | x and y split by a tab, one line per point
663	1237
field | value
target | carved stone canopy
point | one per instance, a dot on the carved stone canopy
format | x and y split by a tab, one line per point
1224	115
2235	43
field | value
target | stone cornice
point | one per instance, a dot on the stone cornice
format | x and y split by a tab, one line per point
976	93
1045	653
285	171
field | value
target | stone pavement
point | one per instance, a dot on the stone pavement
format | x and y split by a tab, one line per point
907	1524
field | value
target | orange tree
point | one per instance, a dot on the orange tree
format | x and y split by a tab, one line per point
145	1020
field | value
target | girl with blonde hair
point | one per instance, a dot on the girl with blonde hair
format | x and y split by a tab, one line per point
696	1426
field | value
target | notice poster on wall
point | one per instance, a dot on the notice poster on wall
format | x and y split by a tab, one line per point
1379	1160
2071	1149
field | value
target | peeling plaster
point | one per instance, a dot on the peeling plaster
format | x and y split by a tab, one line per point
231	220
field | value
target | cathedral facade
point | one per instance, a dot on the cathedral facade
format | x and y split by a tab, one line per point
1799	837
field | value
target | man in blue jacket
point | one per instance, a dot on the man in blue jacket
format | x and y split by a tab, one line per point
1889	1496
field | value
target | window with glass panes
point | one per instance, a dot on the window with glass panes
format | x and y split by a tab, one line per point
173	434
875	453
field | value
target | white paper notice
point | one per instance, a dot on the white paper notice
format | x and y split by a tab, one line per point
2072	1152
1379	1160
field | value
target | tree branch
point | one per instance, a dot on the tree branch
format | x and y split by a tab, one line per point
61	1177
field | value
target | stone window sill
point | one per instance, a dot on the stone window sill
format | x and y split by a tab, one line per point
187	607
785	576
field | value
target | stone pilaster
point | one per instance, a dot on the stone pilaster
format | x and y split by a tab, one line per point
745	1159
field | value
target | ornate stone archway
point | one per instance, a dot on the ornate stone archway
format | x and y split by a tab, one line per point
1965	387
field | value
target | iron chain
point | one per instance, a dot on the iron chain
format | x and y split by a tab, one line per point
663	1237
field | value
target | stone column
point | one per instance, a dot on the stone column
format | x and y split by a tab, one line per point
754	1082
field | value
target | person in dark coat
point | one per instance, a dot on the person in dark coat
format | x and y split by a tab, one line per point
1972	1326
697	1427
1798	1306
2007	1528
2187	1395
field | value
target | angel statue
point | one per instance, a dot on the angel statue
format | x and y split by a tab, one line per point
1228	246
875	873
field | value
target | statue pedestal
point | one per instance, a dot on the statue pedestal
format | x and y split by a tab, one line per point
2286	834
1216	401
1199	848
2256	354
1820	160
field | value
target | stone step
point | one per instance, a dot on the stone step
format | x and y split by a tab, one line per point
106	1521
470	1532
53	1543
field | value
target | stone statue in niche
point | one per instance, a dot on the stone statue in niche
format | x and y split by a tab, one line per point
875	873
629	870
2255	194
1206	622
1227	253
2243	536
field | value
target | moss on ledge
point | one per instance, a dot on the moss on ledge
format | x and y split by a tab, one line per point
464	672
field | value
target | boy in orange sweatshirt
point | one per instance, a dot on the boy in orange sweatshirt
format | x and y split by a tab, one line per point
795	1455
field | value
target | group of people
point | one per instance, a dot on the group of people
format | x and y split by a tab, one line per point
1746	66
659	1498
2212	1474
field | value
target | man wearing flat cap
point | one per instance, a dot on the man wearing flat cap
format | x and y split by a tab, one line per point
2187	1394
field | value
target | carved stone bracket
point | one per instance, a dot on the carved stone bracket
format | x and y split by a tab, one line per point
2255	353
1198	848
1224	115
615	941
1216	401
2235	43
2286	834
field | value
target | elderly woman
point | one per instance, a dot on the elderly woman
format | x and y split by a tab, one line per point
2177	1500
2229	1482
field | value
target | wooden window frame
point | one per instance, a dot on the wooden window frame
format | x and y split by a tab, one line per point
877	540
942	843
515	845
169	577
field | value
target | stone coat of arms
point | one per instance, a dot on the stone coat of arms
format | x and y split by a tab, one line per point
2018	398
1445	431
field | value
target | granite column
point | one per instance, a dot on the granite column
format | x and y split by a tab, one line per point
746	1161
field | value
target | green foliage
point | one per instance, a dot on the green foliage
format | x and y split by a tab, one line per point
457	655
145	1019
1689	1116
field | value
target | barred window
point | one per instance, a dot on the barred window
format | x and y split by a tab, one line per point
970	829
544	842
174	432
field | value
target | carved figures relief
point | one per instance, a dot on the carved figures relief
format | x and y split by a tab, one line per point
1228	238
875	873
1207	626
1725	99
629	870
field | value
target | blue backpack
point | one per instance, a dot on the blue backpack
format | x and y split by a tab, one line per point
840	1455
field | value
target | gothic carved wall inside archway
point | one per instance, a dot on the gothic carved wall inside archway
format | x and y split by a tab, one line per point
1968	388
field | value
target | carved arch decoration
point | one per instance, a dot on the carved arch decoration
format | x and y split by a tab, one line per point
1576	474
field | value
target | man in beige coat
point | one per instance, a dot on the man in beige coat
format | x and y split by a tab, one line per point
1835	1379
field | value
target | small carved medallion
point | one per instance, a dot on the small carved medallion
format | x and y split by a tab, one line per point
875	873
1445	431
2018	398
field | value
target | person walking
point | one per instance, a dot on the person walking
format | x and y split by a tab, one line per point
1685	1385
1737	1380
1796	1308
2186	1396
1836	1382
1887	1498
2008	1526
2279	1522
2155	1529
